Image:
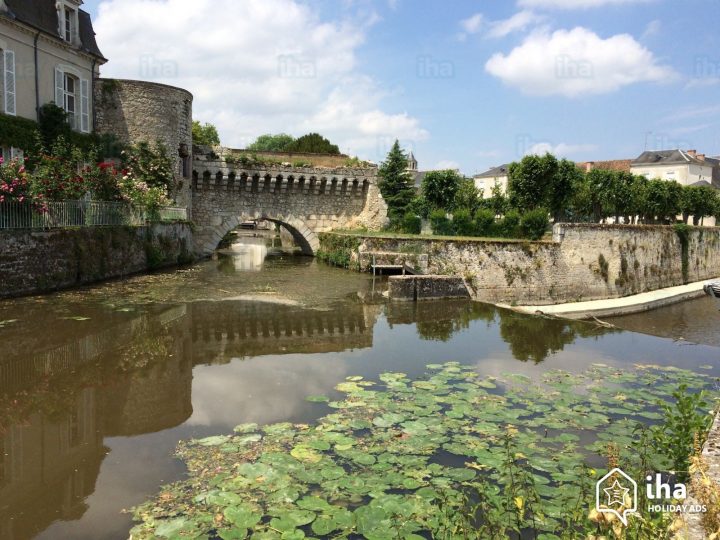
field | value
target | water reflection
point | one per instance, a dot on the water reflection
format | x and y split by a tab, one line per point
91	409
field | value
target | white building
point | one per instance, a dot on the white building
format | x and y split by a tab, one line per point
686	167
497	176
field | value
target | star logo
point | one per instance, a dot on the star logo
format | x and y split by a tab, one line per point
618	499
616	494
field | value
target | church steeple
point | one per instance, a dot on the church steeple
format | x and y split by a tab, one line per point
412	162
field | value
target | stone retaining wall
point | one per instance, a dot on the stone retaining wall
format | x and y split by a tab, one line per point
34	261
583	262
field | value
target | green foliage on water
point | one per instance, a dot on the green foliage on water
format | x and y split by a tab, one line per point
451	455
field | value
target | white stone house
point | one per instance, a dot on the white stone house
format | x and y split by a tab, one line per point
497	176
48	53
686	167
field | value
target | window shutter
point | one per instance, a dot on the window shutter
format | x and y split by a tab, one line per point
9	59
84	105
59	88
61	19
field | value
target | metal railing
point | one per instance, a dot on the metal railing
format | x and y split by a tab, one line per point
50	215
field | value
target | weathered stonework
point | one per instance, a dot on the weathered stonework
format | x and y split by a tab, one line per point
139	111
34	261
584	262
419	288
306	201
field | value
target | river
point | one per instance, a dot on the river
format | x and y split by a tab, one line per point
98	385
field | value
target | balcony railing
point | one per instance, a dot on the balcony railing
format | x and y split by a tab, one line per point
51	215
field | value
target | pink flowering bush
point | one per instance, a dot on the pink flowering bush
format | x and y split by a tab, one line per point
14	186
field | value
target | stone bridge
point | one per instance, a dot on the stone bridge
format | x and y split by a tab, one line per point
304	200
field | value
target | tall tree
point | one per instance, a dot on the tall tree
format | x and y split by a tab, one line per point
396	183
313	143
560	190
440	188
272	143
530	180
468	196
205	134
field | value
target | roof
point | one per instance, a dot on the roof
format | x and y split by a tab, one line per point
667	157
609	165
704	183
42	15
502	170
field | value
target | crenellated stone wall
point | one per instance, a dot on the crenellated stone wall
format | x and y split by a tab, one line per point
306	201
583	262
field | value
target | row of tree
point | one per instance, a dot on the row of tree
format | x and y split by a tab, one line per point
544	184
312	143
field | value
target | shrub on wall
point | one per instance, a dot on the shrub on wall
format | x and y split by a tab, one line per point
509	225
463	223
440	223
14	184
411	224
485	222
534	224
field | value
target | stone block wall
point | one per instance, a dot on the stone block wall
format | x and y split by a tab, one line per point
584	262
305	200
140	111
33	261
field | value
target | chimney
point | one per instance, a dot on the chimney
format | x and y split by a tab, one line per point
701	157
692	153
589	166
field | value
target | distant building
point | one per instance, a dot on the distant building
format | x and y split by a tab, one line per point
497	176
686	167
622	165
416	175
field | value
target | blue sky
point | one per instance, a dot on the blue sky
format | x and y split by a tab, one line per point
462	83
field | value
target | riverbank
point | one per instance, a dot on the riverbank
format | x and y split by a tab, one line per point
613	307
40	261
582	263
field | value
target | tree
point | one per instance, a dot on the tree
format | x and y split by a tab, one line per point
698	202
313	143
272	143
205	134
395	183
498	203
468	196
530	180
560	189
441	187
662	200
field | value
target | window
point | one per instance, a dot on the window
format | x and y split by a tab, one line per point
72	94
69	18
8	72
69	99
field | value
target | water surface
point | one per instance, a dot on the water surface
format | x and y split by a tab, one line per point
98	385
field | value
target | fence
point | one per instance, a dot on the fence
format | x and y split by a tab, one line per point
15	215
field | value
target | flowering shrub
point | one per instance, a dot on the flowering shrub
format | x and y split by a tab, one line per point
13	181
65	172
150	165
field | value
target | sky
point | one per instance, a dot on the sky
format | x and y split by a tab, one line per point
462	84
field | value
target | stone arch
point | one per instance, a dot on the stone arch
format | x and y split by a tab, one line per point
304	237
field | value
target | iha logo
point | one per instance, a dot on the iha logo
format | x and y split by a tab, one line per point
616	493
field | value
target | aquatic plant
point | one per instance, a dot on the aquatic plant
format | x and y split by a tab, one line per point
452	455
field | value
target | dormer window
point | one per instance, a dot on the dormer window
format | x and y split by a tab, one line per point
69	18
67	11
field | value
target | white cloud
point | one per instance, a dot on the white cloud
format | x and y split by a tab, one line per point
261	66
653	28
446	165
560	150
576	4
472	24
519	21
576	62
